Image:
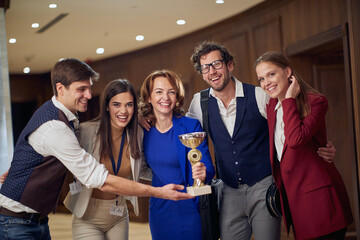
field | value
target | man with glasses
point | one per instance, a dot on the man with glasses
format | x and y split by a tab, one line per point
239	131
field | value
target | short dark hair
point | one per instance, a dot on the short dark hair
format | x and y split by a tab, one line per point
69	70
206	47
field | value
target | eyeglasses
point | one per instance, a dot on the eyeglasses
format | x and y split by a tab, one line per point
217	64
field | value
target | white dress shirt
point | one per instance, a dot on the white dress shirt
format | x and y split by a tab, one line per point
279	134
55	138
228	115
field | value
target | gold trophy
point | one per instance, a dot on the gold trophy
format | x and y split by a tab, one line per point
193	140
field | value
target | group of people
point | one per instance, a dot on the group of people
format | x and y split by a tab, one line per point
275	132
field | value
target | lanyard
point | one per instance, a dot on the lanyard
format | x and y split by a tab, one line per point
116	169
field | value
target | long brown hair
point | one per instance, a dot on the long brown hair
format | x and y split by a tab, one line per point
146	109
114	88
280	60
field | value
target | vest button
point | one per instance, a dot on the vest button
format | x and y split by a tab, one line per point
234	152
236	163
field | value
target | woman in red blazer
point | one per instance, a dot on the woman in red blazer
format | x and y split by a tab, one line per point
313	196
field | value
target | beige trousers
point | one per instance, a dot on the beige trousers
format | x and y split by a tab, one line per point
98	224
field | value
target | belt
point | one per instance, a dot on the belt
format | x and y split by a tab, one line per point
24	215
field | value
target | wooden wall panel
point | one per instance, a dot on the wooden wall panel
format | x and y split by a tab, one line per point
240	49
305	18
267	36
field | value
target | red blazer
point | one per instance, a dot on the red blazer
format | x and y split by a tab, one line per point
313	195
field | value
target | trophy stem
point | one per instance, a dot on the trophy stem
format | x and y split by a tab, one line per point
198	183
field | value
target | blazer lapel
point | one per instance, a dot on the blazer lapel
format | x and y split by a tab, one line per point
181	149
271	116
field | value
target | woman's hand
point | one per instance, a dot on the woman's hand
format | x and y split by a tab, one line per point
4	176
294	88
199	171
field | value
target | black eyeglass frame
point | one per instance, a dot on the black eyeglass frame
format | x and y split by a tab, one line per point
207	69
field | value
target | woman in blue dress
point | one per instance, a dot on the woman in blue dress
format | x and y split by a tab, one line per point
162	97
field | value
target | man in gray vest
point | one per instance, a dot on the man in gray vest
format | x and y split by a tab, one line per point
46	148
238	129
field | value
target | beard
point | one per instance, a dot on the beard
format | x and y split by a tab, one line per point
220	87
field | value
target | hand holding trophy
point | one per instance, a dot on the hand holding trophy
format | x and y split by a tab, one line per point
193	140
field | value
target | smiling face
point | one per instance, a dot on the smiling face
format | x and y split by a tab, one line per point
273	79
218	79
121	110
163	97
75	97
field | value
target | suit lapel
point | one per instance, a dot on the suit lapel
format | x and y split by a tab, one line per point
271	116
181	149
240	111
215	115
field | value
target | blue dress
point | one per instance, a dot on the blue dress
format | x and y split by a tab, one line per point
173	219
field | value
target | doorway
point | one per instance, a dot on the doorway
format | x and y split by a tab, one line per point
322	61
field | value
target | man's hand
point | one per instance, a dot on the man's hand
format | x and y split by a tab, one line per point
143	122
4	176
328	152
171	191
199	171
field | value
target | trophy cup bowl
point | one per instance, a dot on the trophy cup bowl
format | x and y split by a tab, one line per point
193	140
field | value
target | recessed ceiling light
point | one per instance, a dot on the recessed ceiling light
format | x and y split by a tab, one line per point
180	22
139	38
100	50
12	40
35	25
53	5
219	1
26	70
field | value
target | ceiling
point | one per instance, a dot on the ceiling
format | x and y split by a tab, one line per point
110	24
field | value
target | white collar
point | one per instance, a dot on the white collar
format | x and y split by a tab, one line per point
69	115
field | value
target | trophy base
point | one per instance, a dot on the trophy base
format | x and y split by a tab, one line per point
197	191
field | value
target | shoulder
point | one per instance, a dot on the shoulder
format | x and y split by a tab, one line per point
186	120
89	126
86	130
314	98
196	96
186	123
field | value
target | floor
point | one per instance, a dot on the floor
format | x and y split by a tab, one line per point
60	228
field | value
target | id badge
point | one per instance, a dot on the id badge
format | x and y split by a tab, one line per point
117	210
75	187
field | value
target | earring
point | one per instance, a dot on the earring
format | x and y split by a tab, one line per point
177	104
